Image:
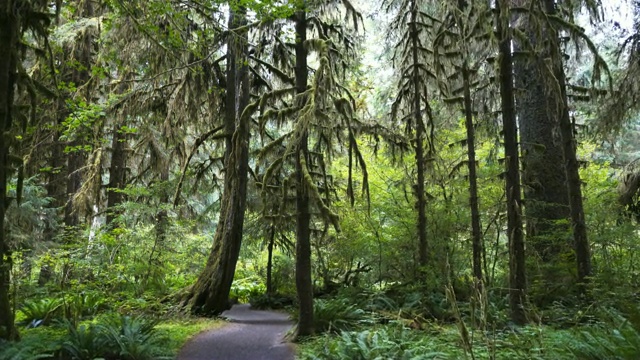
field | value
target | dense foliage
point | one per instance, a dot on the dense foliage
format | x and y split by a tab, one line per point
410	179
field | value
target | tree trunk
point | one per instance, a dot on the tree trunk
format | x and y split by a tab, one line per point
272	238
544	178
421	202
56	190
304	284
517	275
581	242
76	160
476	232
210	293
117	175
162	224
8	39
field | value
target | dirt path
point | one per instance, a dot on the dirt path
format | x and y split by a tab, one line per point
252	335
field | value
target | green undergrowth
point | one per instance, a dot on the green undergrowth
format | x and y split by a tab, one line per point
107	336
378	325
394	341
178	332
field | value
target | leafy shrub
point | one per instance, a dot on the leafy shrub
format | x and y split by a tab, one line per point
247	288
264	301
82	305
40	312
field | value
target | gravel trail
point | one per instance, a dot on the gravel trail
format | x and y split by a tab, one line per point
252	335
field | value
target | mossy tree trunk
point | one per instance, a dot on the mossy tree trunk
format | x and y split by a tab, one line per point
571	165
517	274
210	293
476	231
304	284
418	93
117	175
544	179
9	28
270	246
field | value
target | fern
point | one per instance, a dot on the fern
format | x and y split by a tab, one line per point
619	341
337	315
391	343
130	338
40	312
84	342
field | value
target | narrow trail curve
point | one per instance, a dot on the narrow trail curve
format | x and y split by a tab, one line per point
252	335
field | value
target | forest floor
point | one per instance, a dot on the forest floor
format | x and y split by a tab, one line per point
251	335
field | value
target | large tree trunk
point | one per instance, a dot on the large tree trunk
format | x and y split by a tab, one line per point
517	275
8	39
210	293
304	284
559	101
421	202
544	179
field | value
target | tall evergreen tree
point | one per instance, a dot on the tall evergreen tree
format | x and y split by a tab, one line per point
544	178
517	273
412	105
571	166
460	42
210	293
319	110
16	19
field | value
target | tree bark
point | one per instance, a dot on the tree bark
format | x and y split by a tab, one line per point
476	232
571	165
210	293
56	190
517	275
9	37
421	200
304	284
80	76
161	227
117	175
544	178
272	238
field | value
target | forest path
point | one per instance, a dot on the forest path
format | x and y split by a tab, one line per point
252	335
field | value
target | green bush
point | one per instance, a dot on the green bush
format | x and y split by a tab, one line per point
247	288
264	301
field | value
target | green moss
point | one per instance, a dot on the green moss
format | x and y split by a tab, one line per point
177	332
